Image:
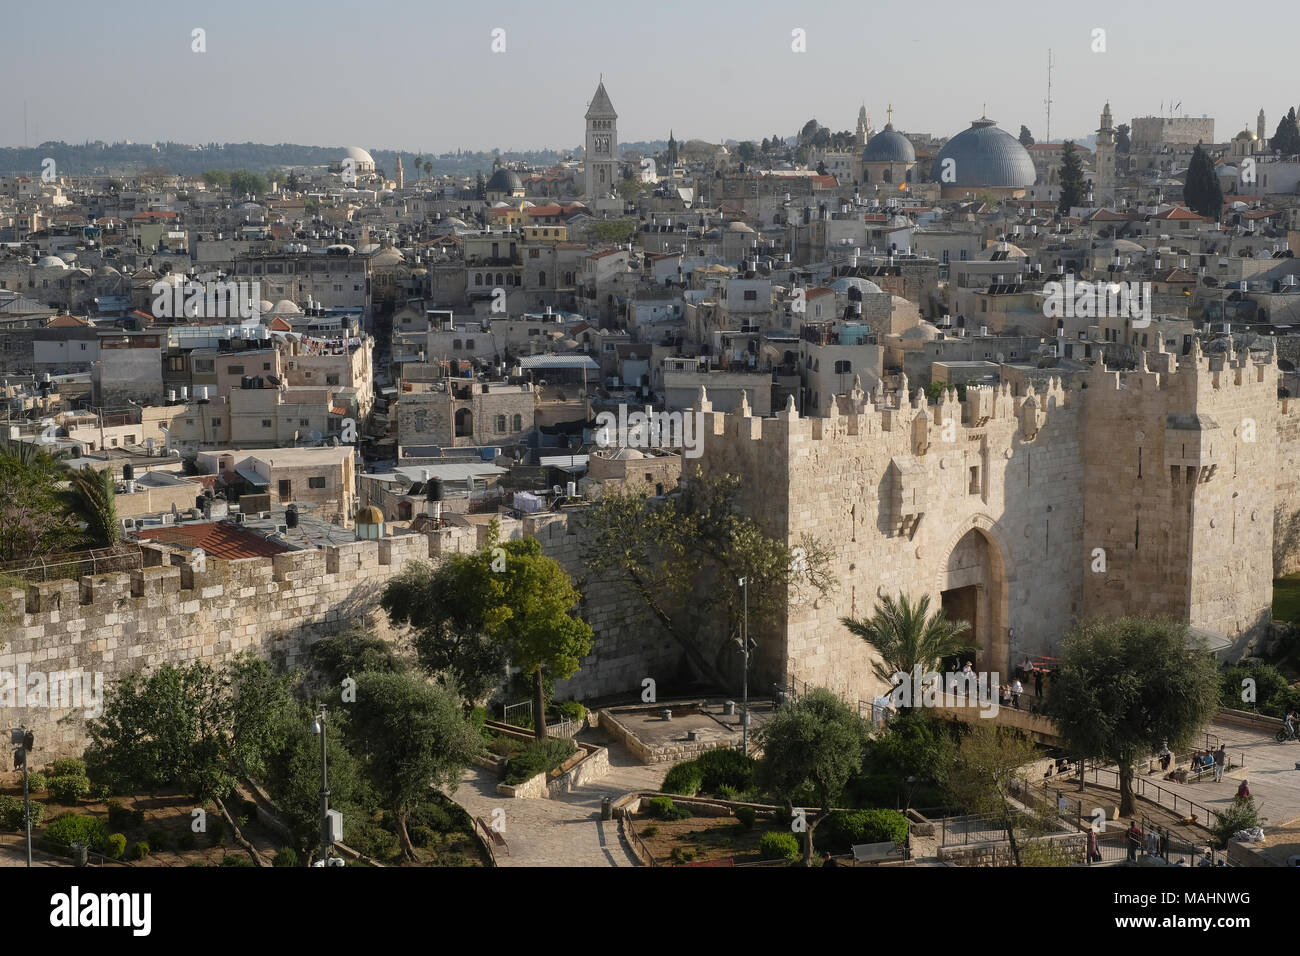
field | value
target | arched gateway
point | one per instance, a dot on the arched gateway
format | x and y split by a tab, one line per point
973	587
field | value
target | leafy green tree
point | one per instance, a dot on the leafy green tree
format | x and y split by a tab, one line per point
1286	139
451	618
1126	686
683	556
1072	184
747	151
32	520
1026	137
906	636
217	178
292	773
291	183
246	182
915	749
91	499
531	615
1201	191
631	189
612	230
814	745
412	736
989	771
480	186
808	132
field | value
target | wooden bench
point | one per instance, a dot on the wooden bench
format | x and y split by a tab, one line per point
877	852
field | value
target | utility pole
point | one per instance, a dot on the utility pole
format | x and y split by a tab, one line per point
23	738
1048	101
744	644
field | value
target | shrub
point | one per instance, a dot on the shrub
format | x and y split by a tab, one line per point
248	808
137	818
663	808
68	767
286	856
649	831
70	828
683	854
843	829
373	840
779	846
236	859
572	710
157	840
11	813
216	829
684	779
747	816
727	767
119	816
37	782
139	850
100	791
433	816
187	840
478	718
538	757
116	846
726	792
421	836
69	788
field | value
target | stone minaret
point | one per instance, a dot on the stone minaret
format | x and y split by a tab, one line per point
1261	130
602	145
1103	190
398	177
864	126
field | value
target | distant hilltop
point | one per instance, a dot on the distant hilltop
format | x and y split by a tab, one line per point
104	159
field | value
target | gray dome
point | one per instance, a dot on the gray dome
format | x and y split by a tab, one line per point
504	181
985	156
889	146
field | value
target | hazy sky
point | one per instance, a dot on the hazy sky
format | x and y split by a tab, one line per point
423	77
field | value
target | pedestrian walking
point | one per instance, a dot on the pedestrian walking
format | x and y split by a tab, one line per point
1038	683
1243	792
1134	841
1220	763
1017	689
1094	852
1166	755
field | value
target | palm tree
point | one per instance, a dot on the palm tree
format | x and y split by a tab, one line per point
906	635
91	498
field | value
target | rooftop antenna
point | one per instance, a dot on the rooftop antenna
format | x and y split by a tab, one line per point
1048	101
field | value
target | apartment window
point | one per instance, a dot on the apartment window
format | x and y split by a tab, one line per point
519	423
843	367
532	253
751	295
189	422
266	423
332	379
286	489
235	370
649	476
266	366
204	365
308	374
478	278
501	424
963	255
304	422
974	488
316	482
216	423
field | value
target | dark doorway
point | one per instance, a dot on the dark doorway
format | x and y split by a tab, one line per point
962	604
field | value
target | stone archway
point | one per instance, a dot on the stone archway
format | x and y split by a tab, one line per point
973	586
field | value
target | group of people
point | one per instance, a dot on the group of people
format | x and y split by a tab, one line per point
1202	760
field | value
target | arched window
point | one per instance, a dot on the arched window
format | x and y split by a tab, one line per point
478	278
464	423
887	175
501	424
500	279
541	279
519	423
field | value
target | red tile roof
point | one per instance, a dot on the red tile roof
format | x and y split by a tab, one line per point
218	539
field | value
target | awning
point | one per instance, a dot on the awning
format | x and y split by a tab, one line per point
252	477
1213	642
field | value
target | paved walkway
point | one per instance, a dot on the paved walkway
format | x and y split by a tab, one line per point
567	831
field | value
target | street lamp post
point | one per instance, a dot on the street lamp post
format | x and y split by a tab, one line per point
325	841
744	646
23	738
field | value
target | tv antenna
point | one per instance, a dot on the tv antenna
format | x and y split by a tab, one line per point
1048	101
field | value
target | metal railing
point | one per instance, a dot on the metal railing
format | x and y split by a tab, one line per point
1144	788
74	565
512	713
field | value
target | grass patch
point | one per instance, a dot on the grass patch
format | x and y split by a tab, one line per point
1286	598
